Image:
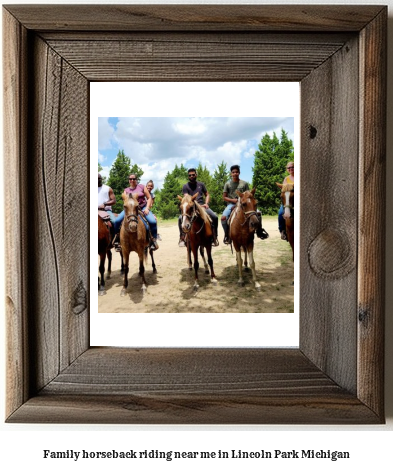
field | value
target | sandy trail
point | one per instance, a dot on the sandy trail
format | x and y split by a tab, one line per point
170	289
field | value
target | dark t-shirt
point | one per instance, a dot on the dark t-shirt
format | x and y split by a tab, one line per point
197	187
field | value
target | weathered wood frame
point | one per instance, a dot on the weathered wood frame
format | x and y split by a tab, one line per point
338	53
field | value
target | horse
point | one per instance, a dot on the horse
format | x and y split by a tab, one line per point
243	222
196	224
104	239
287	198
133	238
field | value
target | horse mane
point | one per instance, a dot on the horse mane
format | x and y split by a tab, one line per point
286	187
202	212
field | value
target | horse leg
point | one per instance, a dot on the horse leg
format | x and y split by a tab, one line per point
152	261
252	266
142	273
122	263
196	267
101	290
189	262
239	265
210	260
109	255
246	268
204	260
125	278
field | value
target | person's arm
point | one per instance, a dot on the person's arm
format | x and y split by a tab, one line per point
149	201
228	199
110	202
207	197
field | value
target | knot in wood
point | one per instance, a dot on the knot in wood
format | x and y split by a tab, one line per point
330	254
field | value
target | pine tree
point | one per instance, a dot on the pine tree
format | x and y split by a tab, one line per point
220	176
270	167
118	177
169	203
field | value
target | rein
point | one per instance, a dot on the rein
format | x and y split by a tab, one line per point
193	218
250	213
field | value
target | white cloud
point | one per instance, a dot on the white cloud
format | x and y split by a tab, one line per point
105	133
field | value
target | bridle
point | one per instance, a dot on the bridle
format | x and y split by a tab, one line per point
247	214
192	218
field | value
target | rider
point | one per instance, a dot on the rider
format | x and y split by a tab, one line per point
287	180
145	203
193	186
150	187
231	198
106	199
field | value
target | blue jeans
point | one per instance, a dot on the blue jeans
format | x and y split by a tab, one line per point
226	214
281	220
151	219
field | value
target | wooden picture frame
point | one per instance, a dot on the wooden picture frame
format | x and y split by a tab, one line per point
338	54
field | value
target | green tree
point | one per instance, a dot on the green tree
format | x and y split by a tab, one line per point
168	203
270	168
220	176
118	177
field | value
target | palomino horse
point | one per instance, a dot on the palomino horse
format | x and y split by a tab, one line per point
287	198
243	223
133	238
196	224
104	239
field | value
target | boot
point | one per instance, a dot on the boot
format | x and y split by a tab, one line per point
182	240
116	242
227	239
216	243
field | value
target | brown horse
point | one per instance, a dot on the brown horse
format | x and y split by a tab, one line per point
104	238
243	223
196	224
287	198
133	238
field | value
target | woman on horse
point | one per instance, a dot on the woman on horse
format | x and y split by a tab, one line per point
287	180
145	203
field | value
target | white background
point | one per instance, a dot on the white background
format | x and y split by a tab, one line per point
192	100
21	446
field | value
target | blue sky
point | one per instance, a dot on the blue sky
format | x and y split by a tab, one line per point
157	144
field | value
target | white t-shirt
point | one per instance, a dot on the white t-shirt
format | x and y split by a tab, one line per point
103	196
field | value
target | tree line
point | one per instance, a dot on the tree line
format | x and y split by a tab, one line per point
270	161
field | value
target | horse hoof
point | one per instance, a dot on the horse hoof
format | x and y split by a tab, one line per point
123	292
108	277
214	282
190	268
247	269
207	272
240	283
101	292
258	288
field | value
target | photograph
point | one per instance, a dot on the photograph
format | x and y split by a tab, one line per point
196	214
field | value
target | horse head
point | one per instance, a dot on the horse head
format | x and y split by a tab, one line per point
287	198
187	208
130	211
248	204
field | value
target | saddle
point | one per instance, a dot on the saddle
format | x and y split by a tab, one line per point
105	217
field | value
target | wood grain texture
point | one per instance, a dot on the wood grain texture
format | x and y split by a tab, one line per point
195	17
14	149
329	189
335	376
220	59
193	386
372	178
60	176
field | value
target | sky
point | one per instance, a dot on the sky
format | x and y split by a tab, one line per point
157	144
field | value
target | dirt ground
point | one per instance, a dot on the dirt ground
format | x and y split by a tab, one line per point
170	289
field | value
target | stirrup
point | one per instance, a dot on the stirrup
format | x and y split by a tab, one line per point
153	244
227	240
263	234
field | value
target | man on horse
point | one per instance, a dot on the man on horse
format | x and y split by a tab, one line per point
231	198
106	199
192	187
